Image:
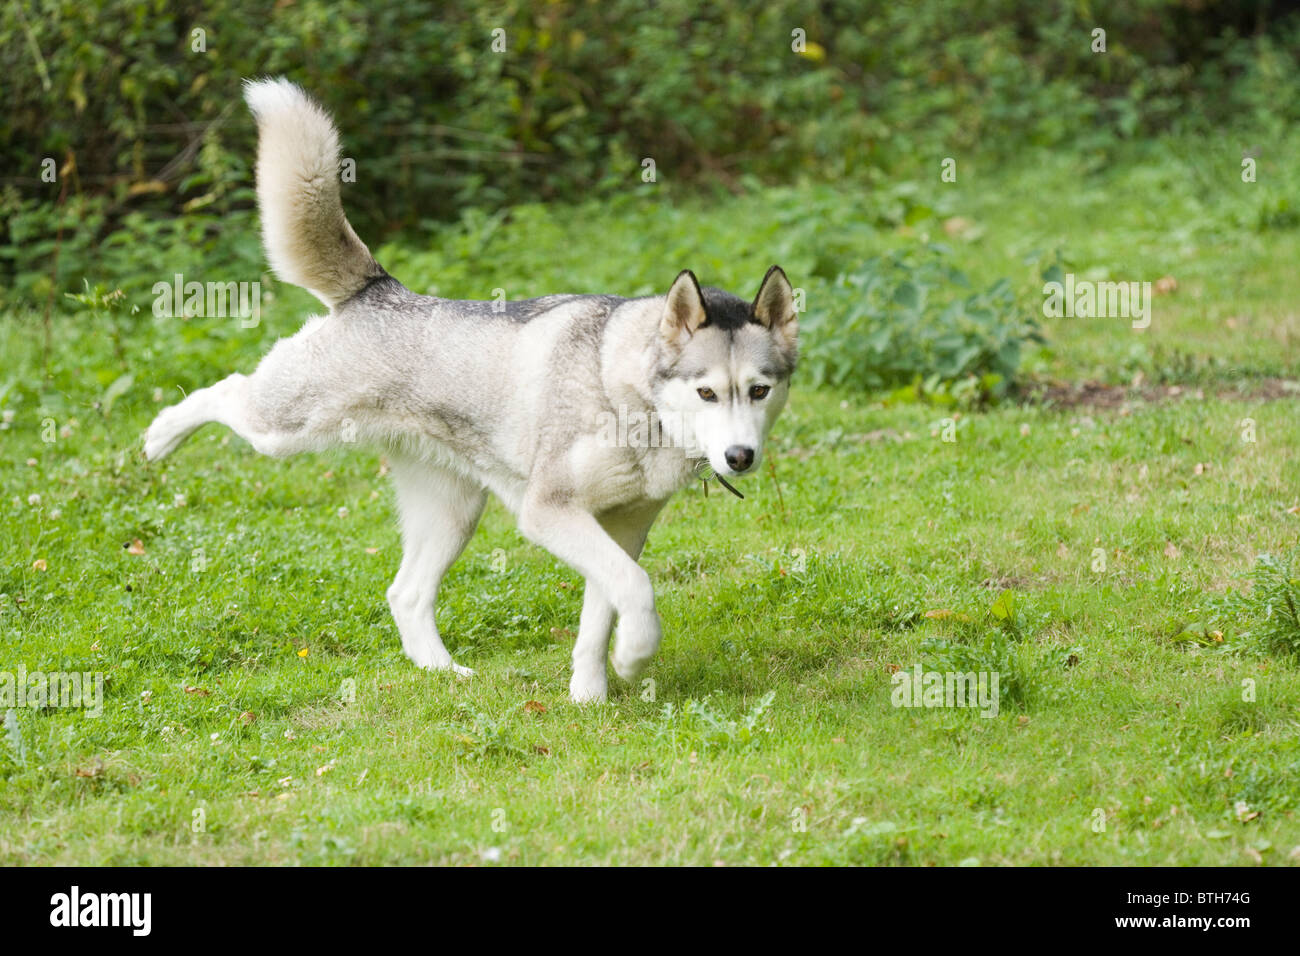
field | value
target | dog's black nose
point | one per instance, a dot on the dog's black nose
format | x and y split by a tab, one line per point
739	458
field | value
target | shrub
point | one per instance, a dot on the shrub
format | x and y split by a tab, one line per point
906	319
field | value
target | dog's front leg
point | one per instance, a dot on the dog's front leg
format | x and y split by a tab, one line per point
578	539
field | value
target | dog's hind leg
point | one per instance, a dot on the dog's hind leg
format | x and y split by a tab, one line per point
230	403
439	512
173	425
590	652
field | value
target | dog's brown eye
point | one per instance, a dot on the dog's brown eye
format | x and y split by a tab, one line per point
707	394
759	392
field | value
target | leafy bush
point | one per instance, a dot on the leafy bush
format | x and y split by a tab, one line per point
136	111
902	319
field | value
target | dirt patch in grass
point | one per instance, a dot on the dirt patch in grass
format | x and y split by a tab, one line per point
1067	395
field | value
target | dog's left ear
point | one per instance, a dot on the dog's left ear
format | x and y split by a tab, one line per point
774	306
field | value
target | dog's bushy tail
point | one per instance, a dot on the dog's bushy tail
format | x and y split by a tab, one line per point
308	239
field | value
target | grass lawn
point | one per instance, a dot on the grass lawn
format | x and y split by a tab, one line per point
258	708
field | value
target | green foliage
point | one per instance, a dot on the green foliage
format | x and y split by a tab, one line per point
142	113
895	321
1275	597
699	723
1264	615
480	735
14	737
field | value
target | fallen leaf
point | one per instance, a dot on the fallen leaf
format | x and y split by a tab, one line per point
135	547
197	690
1171	550
1004	608
1165	285
534	707
943	614
247	717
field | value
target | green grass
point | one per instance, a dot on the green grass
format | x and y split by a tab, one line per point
254	674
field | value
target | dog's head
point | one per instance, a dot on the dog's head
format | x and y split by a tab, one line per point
726	368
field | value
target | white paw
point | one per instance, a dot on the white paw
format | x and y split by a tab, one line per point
636	642
163	436
588	688
429	660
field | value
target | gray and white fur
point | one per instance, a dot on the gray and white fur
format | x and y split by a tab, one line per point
512	398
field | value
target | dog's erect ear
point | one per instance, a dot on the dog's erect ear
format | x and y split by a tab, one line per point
774	306
684	310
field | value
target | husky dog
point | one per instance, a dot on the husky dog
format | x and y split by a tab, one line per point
514	398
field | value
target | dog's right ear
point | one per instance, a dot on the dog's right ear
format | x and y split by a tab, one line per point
684	310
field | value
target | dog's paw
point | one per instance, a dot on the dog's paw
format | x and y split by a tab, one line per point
449	665
162	437
429	659
636	642
588	688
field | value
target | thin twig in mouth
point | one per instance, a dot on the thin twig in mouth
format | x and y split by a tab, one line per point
726	484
